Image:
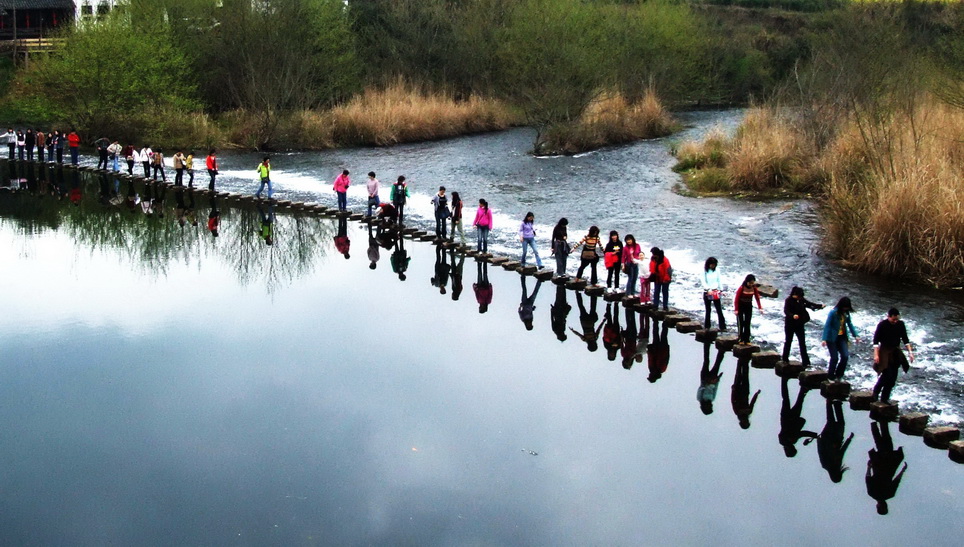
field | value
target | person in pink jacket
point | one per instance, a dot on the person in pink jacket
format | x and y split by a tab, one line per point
341	188
482	223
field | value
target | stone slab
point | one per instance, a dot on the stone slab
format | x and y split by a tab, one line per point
861	400
615	296
913	423
765	359
688	326
510	264
887	412
812	378
955	451
706	335
576	284
726	342
674	318
595	290
835	389
768	291
941	437
498	260
745	350
788	369
544	275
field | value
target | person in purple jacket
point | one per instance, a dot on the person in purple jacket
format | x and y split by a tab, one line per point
527	235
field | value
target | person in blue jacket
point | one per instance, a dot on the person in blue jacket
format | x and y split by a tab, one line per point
835	338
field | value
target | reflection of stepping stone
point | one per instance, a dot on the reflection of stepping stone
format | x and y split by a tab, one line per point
471	253
884	412
707	335
576	284
674	318
544	275
726	342
785	369
688	326
595	290
941	437
511	264
745	350
284	202
913	423
812	378
861	400
615	296
835	389
765	359
409	231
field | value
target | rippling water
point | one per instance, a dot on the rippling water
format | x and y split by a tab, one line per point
630	189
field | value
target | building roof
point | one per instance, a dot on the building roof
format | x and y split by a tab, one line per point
37	4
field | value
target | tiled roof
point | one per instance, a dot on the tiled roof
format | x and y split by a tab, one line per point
37	4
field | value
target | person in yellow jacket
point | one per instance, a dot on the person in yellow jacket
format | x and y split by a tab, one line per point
264	171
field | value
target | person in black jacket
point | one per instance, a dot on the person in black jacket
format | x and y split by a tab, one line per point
796	317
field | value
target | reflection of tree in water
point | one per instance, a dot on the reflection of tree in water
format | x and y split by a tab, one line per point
107	220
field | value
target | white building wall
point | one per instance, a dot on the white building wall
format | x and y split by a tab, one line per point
92	8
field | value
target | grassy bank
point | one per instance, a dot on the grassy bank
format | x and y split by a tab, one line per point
891	192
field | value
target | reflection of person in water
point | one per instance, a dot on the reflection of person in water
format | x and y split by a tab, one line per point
214	217
147	204
457	266
587	319
191	211
400	259
528	304
830	443
267	224
373	253
558	313
709	379
611	333
658	352
442	270
881	481
342	243
630	336
180	209
482	288
75	192
740	393
792	421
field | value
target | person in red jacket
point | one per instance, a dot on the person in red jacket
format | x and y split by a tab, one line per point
743	305
73	141
211	162
661	274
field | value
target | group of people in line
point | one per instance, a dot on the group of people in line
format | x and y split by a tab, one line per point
49	146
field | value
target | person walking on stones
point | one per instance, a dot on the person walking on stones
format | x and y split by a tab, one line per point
103	156
613	260
398	196
457	217
372	186
59	143
73	142
483	224
113	151
795	318
560	245
882	478
341	184
129	154
21	144
158	162
30	141
743	305
712	292
41	145
211	163
146	155
527	235
189	166
835	338
632	254
264	173
11	139
589	256
661	274
440	206
179	168
888	357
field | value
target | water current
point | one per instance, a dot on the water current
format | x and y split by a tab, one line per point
631	189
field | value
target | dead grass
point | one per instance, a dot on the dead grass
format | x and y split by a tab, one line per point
609	120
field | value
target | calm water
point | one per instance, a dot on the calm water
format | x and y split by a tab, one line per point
161	386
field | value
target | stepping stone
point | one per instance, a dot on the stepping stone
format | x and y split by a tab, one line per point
913	423
595	290
420	233
284	202
861	400
812	378
631	298
642	308
576	284
561	279
955	451
527	270
941	437
544	275
356	216
511	264
426	237
768	291
706	335
661	313
497	260
615	296
884	412
675	318
745	350
835	389
471	253
786	369
726	342
765	359
688	326
409	231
